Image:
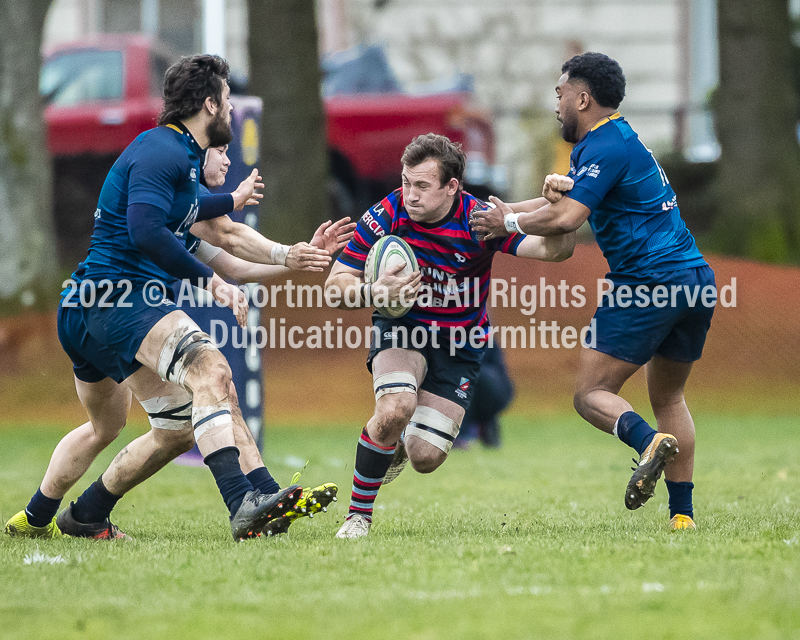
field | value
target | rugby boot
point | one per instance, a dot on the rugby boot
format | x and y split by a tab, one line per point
399	462
19	527
312	501
651	464
94	530
356	526
679	522
257	509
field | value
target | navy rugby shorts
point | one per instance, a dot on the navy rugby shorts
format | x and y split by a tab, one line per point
102	342
675	331
449	377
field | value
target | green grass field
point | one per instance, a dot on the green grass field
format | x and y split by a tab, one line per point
529	541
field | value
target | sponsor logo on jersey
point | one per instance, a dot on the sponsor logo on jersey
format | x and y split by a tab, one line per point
97	213
669	204
372	224
582	171
594	171
460	258
193	174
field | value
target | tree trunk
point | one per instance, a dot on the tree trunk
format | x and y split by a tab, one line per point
27	241
756	109
285	74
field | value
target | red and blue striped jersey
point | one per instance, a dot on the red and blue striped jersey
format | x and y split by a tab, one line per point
456	267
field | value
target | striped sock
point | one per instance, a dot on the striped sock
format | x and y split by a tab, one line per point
372	463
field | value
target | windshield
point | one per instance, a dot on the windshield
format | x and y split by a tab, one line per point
81	76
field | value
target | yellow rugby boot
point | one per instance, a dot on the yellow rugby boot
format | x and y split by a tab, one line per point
679	522
648	470
19	527
312	501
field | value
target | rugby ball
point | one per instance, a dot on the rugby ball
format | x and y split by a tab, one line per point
386	253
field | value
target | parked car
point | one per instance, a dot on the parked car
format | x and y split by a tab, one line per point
102	92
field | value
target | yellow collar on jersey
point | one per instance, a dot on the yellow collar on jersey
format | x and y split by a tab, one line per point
613	116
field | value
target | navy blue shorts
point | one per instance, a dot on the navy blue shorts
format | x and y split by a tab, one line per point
673	325
102	341
449	377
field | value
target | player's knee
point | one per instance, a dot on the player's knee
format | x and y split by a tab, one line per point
106	433
211	374
579	402
174	443
667	402
393	412
428	462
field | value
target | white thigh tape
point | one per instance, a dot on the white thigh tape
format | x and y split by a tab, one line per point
170	412
394	382
205	418
434	427
180	350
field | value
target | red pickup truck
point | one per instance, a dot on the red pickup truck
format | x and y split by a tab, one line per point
101	93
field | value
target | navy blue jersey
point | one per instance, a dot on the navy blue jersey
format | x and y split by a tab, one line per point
635	215
161	167
456	267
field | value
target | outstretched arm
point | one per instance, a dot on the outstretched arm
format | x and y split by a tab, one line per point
548	249
248	244
556	214
241	271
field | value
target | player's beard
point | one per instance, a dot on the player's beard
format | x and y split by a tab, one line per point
569	129
219	131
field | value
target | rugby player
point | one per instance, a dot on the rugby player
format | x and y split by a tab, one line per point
148	204
422	387
615	182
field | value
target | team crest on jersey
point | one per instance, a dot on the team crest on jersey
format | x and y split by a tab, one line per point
462	389
193	174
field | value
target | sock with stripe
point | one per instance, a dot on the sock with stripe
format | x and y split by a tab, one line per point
372	463
680	498
231	481
632	429
95	504
41	510
262	480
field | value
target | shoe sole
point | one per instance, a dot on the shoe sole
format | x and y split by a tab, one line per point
318	500
283	501
397	466
642	484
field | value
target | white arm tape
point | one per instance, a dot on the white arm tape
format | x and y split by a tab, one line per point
279	253
510	221
394	382
206	252
434	427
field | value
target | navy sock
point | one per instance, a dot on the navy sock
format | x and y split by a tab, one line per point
231	482
262	480
41	510
634	431
680	498
95	504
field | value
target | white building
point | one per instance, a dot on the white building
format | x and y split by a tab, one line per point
513	48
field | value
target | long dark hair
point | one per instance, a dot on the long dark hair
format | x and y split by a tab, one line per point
188	83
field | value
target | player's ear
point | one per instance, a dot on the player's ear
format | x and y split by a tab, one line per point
584	100
211	106
452	187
